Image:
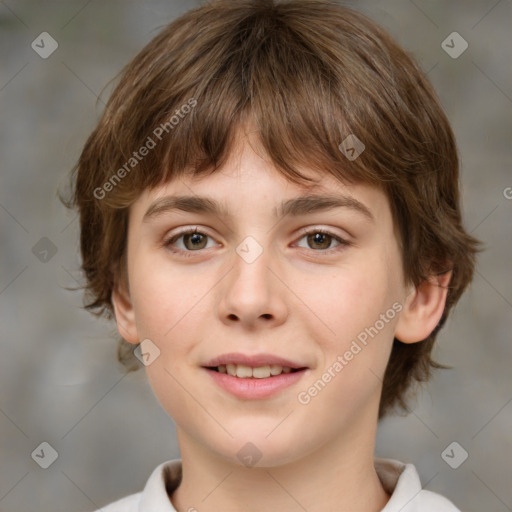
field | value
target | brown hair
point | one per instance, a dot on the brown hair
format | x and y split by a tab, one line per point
308	73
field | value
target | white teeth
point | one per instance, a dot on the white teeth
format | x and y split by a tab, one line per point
262	372
245	372
275	369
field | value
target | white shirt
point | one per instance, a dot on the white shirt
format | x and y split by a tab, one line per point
400	480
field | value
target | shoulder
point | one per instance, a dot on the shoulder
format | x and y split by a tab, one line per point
402	482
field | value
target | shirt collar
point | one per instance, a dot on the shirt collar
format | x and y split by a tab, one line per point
163	481
400	480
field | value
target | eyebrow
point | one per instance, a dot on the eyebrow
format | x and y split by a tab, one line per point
300	205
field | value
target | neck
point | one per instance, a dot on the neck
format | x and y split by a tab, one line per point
338	476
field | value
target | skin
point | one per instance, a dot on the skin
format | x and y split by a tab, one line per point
300	300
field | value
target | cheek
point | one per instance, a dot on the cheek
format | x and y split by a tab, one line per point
359	305
169	310
349	300
165	298
178	396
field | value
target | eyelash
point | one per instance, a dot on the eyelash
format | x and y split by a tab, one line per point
342	242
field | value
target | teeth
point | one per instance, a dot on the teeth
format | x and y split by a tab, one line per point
246	372
243	372
262	372
275	369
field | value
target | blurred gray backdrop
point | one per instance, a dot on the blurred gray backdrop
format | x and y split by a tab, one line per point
60	382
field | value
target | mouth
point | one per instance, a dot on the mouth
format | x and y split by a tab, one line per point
259	372
254	377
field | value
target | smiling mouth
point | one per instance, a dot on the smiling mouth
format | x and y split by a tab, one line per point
247	372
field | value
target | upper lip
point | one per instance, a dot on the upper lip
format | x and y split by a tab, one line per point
253	361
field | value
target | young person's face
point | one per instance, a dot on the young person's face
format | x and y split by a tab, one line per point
254	283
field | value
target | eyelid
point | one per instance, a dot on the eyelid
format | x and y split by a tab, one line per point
342	240
328	231
186	231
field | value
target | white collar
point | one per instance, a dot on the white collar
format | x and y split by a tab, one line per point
400	480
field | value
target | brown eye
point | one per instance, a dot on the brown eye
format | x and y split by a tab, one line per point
320	240
194	241
188	242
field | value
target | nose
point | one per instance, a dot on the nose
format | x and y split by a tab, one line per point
253	293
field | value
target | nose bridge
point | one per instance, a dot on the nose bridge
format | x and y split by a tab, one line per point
251	291
251	272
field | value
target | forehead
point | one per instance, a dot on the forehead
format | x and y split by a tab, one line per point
248	179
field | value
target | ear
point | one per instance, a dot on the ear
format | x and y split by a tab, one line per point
124	313
423	309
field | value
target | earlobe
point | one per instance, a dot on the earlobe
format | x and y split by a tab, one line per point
124	313
423	309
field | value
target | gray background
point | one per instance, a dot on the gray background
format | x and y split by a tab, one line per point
60	381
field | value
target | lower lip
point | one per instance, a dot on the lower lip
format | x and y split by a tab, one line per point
252	388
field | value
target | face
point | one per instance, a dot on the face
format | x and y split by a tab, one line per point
302	307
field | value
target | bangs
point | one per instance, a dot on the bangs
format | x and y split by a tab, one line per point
263	76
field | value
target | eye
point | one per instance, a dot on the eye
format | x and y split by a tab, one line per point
321	240
193	240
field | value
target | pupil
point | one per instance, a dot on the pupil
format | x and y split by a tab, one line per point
320	238
195	239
